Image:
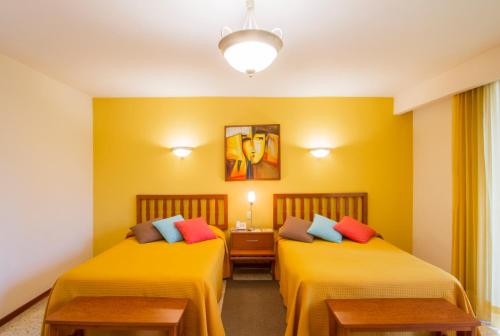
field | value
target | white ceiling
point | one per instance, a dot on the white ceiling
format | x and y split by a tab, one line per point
169	48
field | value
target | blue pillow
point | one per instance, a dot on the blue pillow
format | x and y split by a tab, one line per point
168	230
322	227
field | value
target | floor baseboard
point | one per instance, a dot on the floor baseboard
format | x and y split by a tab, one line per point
25	306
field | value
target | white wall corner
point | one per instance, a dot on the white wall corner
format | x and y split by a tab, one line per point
432	183
46	178
477	71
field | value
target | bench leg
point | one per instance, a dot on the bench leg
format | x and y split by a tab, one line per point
79	332
53	330
332	326
61	330
177	330
471	332
181	327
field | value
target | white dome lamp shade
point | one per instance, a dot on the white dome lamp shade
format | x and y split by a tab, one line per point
251	49
319	152
182	152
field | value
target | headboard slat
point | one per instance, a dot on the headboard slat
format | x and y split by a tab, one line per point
337	208
329	207
148	210
216	210
311	206
284	208
147	204
302	212
355	207
207	207
346	204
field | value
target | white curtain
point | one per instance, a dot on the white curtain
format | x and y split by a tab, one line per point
492	165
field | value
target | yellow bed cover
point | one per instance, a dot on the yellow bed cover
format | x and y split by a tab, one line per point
178	270
312	273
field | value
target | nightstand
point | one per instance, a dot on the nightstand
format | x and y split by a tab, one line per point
252	247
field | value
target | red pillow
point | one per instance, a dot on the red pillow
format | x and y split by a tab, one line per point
195	230
354	230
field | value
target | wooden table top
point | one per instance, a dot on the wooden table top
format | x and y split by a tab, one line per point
251	232
119	311
399	313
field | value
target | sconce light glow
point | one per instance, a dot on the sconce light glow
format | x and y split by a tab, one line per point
319	152
251	197
182	152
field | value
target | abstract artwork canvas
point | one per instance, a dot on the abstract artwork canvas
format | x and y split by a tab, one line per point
252	152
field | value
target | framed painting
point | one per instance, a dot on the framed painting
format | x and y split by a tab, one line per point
252	152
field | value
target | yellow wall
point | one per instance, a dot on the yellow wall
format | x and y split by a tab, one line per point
372	153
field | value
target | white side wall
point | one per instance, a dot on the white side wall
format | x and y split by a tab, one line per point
45	182
432	183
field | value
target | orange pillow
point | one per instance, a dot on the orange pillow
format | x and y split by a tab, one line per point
195	230
354	230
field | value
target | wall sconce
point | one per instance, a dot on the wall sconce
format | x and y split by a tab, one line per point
319	152
182	152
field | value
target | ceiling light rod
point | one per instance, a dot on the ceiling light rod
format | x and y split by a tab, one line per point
250	21
250	49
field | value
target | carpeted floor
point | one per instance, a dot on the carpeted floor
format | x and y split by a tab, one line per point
249	307
29	323
251	273
253	307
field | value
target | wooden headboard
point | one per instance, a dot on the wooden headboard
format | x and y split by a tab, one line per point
333	206
212	207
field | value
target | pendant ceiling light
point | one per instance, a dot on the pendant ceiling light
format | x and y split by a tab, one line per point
250	49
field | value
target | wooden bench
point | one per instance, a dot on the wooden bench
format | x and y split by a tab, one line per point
435	315
119	313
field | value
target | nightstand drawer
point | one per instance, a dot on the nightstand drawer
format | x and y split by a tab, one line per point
252	241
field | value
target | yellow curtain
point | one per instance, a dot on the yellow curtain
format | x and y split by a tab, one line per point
476	198
468	181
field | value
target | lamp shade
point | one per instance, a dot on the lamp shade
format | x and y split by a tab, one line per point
251	196
319	152
182	152
250	50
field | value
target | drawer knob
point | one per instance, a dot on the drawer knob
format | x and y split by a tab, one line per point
252	240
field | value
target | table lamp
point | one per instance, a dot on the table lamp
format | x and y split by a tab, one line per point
251	200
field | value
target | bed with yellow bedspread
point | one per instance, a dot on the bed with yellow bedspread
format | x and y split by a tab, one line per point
311	273
158	269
